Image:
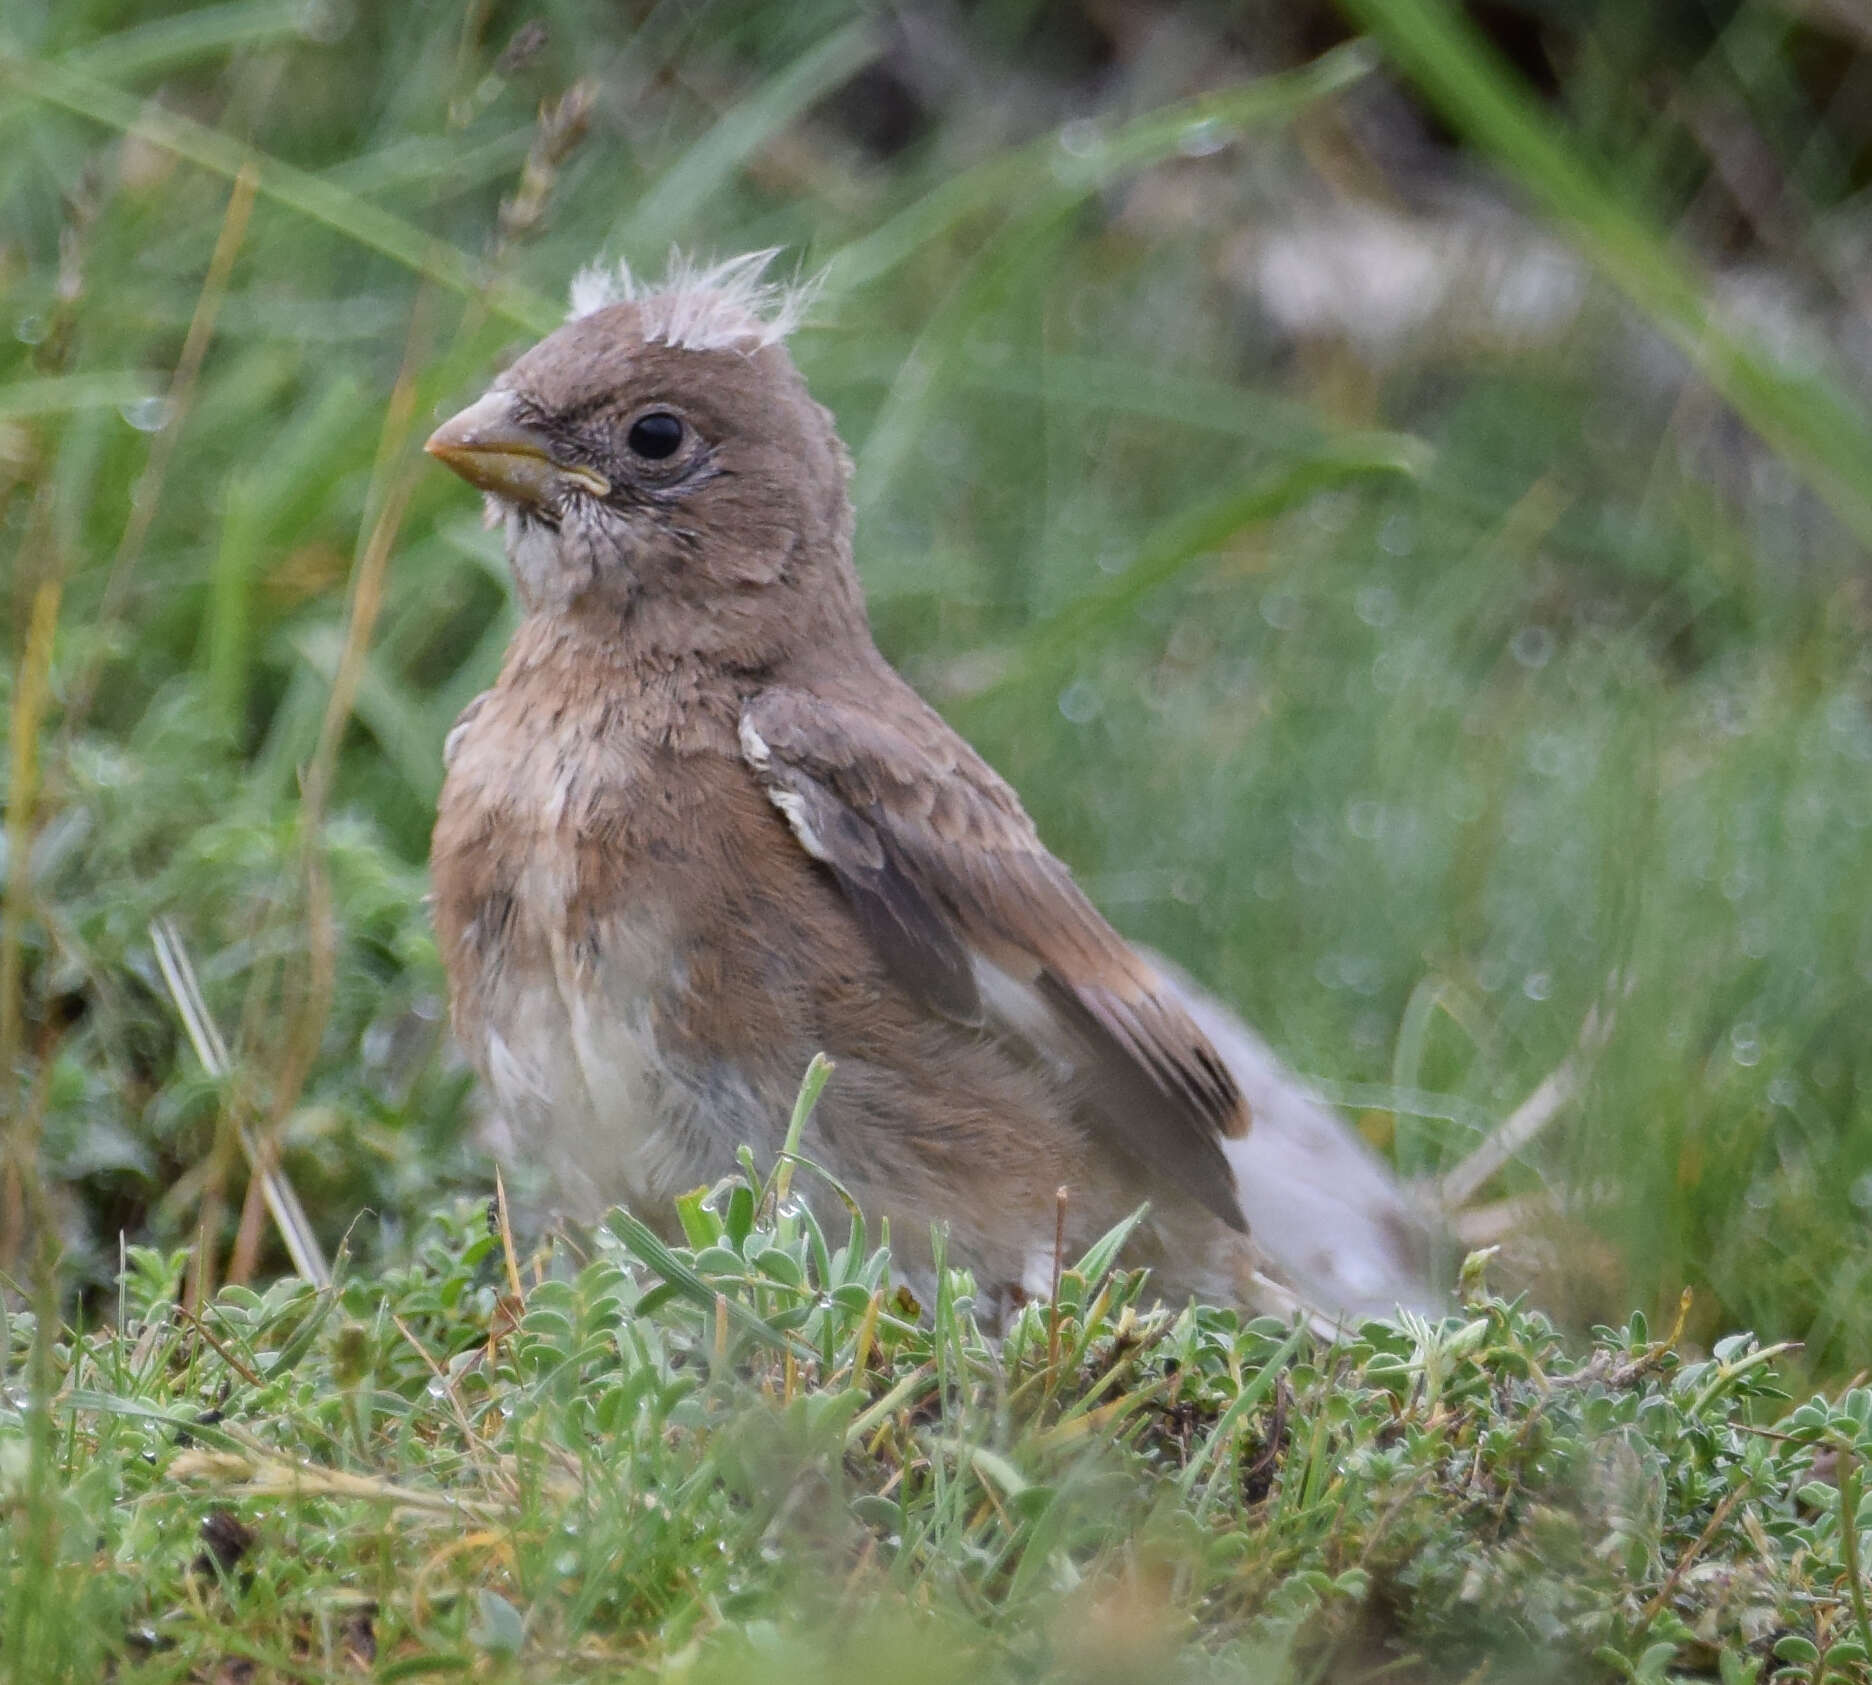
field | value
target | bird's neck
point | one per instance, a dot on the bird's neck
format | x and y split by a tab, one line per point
665	663
642	637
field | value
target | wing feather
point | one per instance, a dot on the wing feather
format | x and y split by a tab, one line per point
944	869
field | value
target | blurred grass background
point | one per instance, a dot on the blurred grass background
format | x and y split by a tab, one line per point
1397	509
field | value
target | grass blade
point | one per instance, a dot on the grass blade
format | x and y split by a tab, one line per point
744	129
649	1249
1192	534
166	44
1224	1431
299	190
1802	414
282	1201
1158	134
59	394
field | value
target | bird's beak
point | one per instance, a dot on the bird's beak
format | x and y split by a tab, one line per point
491	448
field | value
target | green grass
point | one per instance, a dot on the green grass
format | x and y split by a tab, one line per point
1423	702
758	1453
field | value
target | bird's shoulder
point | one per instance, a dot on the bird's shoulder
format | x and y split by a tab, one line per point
953	887
884	750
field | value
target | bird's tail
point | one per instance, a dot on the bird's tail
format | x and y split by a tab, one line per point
1325	1213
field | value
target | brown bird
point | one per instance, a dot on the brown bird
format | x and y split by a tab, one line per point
700	830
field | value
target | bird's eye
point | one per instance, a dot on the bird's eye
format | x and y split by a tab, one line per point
656	435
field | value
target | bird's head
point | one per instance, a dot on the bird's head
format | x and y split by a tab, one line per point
660	467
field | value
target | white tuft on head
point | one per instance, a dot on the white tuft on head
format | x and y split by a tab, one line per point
726	306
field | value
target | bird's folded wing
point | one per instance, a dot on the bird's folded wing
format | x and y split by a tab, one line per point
956	893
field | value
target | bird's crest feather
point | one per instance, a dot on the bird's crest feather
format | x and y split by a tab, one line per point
730	305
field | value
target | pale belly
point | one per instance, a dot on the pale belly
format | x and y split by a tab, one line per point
562	991
573	1044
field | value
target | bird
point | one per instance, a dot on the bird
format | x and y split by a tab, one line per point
700	830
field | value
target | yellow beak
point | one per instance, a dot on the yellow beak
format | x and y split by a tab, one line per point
495	451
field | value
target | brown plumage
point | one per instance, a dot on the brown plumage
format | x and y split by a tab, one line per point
700	830
947	877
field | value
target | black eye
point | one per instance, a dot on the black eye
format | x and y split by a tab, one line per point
656	435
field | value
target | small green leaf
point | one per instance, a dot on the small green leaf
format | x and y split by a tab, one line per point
740	1219
499	1629
700	1225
